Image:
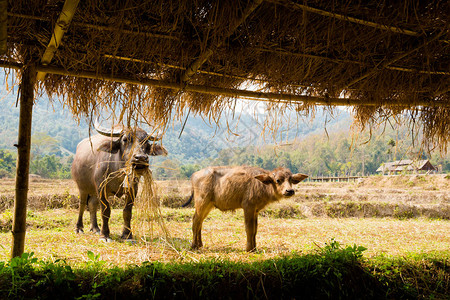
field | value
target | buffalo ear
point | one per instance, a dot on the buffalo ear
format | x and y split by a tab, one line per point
158	150
296	178
110	146
265	178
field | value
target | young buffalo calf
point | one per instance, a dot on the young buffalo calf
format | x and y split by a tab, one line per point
229	188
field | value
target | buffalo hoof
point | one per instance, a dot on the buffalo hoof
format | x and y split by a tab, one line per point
79	230
196	247
106	239
95	230
127	236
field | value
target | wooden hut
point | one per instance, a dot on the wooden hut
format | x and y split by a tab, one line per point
157	60
407	165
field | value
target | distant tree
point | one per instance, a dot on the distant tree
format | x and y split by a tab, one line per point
7	163
43	143
187	170
391	143
168	169
259	161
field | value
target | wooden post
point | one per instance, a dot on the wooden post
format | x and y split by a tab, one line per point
3	25
23	159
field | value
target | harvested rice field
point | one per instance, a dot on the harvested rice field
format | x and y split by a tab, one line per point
391	216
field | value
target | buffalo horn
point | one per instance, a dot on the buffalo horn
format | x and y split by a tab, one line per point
115	132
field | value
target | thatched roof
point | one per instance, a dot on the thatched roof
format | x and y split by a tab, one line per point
386	57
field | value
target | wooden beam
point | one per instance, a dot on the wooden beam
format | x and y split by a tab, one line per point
236	93
3	25
215	90
281	51
61	26
100	27
177	67
23	160
342	17
202	88
192	69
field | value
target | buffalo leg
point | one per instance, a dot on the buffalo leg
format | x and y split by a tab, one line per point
83	201
127	213
93	206
201	212
251	226
106	214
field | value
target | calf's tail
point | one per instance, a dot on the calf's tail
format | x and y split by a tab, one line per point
189	201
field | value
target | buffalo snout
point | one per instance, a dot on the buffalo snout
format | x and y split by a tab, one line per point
140	158
289	193
140	161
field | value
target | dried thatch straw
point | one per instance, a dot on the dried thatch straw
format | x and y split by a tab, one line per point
147	205
148	209
389	58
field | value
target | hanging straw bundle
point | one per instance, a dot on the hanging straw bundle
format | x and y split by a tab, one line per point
147	204
148	209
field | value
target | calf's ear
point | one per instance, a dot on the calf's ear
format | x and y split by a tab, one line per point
296	178
264	178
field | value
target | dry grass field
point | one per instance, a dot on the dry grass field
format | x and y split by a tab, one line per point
392	216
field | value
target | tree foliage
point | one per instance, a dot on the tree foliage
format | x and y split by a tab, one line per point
336	154
7	163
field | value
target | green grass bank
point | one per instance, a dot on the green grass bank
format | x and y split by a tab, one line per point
333	272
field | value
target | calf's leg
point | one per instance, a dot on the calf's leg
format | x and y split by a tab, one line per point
202	210
251	226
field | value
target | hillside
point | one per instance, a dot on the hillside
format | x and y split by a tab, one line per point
319	146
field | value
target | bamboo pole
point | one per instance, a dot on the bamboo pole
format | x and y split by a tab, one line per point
100	27
23	160
178	67
62	25
3	25
325	13
236	93
281	51
228	92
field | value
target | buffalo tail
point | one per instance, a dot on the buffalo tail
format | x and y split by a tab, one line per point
189	201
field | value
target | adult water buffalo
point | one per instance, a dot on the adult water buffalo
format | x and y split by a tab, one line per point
229	188
98	169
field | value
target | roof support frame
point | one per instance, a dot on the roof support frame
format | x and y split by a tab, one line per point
281	51
290	4
3	25
61	26
238	93
23	160
101	27
209	51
